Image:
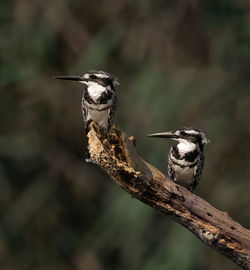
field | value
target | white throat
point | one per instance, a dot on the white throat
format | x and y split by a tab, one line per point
184	147
95	90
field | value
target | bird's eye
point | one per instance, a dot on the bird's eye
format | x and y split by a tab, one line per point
183	133
93	76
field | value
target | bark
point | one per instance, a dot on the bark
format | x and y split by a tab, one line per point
116	154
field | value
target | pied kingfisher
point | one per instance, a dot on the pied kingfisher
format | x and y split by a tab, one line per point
186	159
98	99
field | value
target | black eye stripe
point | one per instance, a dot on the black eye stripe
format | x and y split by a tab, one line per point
106	79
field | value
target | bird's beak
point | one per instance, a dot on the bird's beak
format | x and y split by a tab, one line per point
71	78
169	134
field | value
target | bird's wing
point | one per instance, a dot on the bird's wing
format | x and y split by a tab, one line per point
171	173
84	116
84	111
112	112
197	172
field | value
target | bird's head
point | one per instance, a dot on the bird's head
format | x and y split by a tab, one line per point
93	78
184	135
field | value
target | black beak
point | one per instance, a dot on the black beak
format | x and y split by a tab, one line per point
170	135
71	78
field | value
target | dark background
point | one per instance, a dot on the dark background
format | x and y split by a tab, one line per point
180	63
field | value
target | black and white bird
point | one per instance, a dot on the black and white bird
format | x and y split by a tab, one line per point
186	159
98	99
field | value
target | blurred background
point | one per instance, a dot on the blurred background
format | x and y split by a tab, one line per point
180	63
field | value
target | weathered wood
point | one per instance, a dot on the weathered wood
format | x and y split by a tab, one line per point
117	155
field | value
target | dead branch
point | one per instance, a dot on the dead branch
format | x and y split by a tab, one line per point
117	155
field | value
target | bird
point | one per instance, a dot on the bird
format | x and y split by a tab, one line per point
98	98
186	159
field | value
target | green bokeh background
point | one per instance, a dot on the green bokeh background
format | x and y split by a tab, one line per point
180	63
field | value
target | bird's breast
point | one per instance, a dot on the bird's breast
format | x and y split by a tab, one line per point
100	117
184	176
98	107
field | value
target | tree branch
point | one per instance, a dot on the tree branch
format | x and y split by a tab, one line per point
116	154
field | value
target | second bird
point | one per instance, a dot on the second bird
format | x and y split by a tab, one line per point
98	99
186	159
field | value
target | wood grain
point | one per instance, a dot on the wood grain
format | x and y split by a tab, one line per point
116	154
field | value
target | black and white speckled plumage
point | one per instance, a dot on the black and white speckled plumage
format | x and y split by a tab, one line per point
194	166
186	159
98	99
